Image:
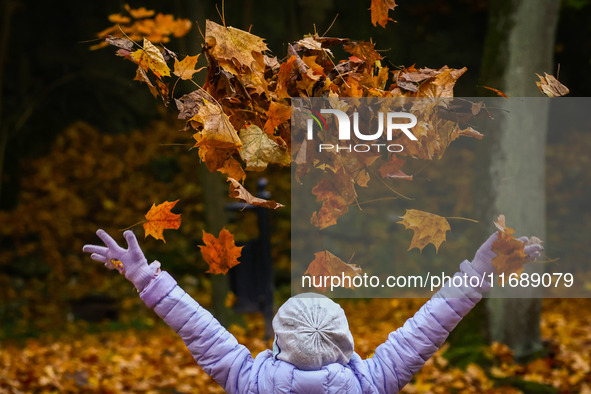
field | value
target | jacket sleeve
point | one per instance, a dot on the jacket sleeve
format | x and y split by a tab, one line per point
407	349
212	346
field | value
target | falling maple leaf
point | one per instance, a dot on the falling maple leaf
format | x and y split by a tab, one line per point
217	128
327	264
258	150
428	228
220	253
186	67
150	58
550	86
229	43
232	168
379	11
276	115
238	191
336	193
159	218
510	251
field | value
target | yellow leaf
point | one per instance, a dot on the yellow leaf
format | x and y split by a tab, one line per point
428	228
230	43
258	150
217	129
150	58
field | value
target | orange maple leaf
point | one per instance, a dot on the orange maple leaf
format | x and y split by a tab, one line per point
428	228
160	218
220	253
327	264
276	115
186	67
379	11
510	251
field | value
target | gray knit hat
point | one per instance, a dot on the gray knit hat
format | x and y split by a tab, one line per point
311	331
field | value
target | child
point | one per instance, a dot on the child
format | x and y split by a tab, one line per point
313	348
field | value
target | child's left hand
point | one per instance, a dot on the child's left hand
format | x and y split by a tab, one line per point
131	261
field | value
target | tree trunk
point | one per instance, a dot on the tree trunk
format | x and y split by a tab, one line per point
213	185
520	43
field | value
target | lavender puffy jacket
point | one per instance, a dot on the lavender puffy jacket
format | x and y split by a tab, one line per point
232	366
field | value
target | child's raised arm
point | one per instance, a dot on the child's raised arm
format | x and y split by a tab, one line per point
212	346
407	349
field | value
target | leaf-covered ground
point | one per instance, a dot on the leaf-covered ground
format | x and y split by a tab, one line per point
156	360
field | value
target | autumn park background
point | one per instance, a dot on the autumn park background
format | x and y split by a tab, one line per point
84	146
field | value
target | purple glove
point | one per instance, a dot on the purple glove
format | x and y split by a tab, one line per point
133	263
482	261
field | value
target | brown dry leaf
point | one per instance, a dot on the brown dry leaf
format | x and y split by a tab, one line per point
311	42
277	114
189	104
443	84
285	78
159	218
217	128
258	150
186	67
428	228
233	169
229	43
220	253
122	43
550	86
379	11
336	194
150	58
238	191
327	264
363	50
510	251
140	75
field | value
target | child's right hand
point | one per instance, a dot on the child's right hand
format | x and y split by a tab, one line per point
131	261
482	261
